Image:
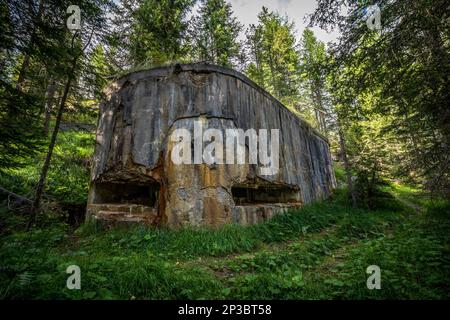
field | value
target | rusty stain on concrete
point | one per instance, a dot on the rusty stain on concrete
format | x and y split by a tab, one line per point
134	180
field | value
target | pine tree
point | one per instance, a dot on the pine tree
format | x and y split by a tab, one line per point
314	72
406	65
215	34
274	59
159	28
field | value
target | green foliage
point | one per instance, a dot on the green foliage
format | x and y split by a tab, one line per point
339	173
68	178
414	264
397	78
101	69
314	63
159	27
215	34
20	128
318	252
274	60
191	243
385	92
36	58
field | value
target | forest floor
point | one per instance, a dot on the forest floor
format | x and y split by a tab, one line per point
321	251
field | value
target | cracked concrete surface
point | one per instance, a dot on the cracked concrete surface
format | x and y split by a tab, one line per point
132	160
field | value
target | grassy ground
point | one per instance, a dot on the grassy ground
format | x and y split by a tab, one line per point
319	252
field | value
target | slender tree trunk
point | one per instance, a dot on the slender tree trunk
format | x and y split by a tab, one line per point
323	125
49	99
22	72
26	58
372	182
40	186
342	144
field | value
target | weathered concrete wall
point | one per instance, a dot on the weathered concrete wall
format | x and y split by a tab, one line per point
132	156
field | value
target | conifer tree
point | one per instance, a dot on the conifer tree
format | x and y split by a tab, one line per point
215	34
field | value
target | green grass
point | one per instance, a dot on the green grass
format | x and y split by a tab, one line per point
339	173
319	252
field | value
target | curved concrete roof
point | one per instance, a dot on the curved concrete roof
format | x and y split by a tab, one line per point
207	68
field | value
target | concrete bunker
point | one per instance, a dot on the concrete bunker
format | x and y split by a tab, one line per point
251	194
127	193
133	179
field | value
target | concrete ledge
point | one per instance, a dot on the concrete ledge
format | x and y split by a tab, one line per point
115	214
254	214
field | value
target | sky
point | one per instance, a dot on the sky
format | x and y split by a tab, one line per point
247	11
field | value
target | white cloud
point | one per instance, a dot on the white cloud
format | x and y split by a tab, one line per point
297	10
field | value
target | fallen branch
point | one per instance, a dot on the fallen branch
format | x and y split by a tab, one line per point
15	195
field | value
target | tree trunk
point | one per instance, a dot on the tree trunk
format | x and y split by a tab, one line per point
15	196
26	58
40	186
23	69
322	123
49	99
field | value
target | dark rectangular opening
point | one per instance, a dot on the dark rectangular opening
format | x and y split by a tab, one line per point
244	195
127	193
